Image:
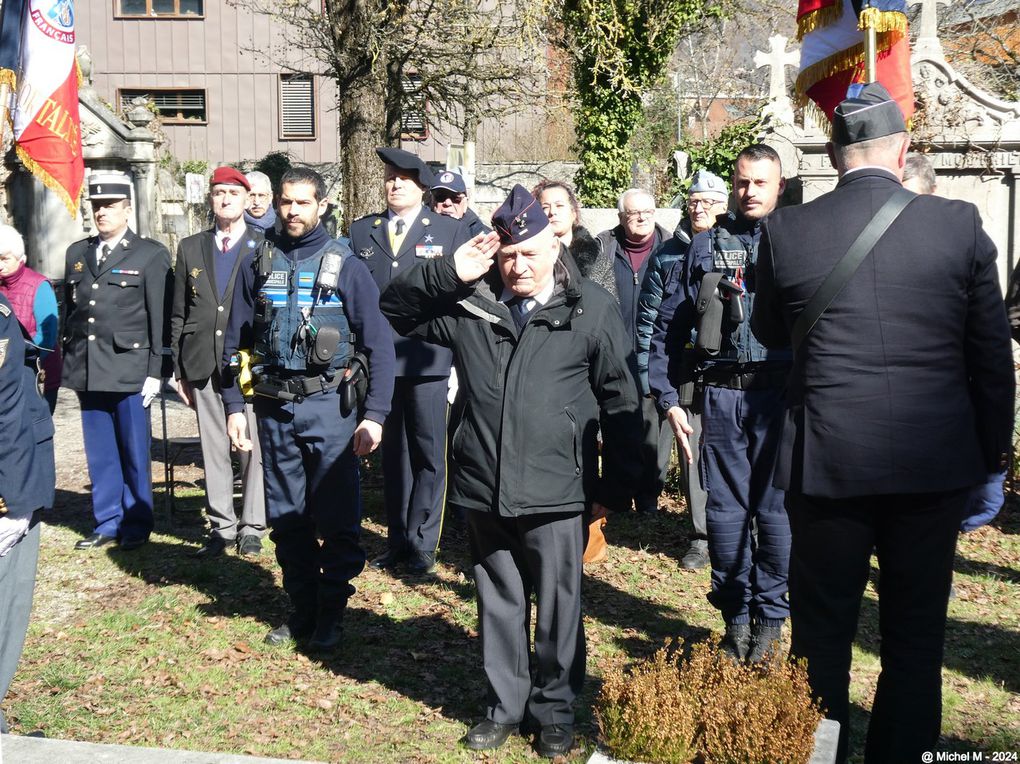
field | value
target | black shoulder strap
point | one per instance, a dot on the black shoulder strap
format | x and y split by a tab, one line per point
848	265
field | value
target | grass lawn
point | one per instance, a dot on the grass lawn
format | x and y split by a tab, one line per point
153	648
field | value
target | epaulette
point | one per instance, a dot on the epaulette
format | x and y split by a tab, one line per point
5	311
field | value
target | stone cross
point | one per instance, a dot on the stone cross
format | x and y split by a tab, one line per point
929	17
777	59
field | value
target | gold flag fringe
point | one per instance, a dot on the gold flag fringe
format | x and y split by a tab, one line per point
8	77
809	22
883	21
49	181
840	62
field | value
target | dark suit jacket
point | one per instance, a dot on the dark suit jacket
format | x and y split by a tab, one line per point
27	476
199	318
430	235
905	385
128	300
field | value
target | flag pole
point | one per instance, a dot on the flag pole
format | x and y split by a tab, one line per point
867	22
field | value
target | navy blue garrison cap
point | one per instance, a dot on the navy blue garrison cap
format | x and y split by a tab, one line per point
519	218
405	160
872	113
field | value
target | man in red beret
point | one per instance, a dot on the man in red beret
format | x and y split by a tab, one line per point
207	265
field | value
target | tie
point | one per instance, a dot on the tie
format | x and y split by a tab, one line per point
226	244
516	305
104	253
397	237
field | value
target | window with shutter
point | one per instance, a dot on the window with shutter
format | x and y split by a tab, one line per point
160	8
297	107
174	106
413	124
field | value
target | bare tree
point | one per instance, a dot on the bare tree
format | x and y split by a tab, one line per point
982	40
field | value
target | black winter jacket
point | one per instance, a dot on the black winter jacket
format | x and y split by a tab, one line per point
533	404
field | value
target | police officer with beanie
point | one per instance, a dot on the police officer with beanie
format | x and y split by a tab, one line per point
117	288
712	291
403	237
544	362
309	312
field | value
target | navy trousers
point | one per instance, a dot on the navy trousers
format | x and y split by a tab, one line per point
914	536
115	427
414	463
313	492
740	440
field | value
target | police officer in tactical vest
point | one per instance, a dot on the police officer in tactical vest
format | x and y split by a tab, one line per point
307	314
711	294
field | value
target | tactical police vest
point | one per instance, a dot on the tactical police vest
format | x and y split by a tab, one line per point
735	255
291	312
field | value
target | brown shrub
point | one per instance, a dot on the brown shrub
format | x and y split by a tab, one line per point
705	708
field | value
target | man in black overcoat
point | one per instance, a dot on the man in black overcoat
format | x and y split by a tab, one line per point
900	401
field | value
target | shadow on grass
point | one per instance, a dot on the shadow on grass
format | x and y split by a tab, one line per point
977	650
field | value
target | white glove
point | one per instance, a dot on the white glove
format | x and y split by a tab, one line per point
150	389
11	531
451	391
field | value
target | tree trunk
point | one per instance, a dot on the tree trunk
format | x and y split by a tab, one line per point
360	114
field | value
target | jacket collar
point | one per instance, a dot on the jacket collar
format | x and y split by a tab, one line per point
880	173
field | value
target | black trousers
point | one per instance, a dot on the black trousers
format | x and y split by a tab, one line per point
512	558
914	536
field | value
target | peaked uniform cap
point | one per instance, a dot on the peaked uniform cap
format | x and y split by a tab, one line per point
104	186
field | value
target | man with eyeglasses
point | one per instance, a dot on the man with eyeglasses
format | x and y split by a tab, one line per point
706	199
629	246
260	213
449	197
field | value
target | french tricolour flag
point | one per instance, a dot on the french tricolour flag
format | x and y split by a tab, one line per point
832	50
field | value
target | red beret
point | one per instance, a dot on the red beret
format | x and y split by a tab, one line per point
228	176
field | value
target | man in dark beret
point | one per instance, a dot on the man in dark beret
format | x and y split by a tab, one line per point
544	362
403	237
207	267
900	401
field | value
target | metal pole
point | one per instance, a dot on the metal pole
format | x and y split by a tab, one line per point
870	54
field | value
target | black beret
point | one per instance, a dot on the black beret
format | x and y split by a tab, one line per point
519	218
872	113
405	160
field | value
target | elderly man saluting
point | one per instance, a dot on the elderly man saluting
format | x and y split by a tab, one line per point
544	360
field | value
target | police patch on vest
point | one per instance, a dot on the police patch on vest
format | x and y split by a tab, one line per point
277	279
428	250
730	258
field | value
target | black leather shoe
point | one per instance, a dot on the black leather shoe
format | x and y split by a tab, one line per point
214	547
128	545
327	636
289	633
249	546
390	559
697	556
487	735
95	541
422	563
555	740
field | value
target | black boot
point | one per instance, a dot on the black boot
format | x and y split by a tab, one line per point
736	641
298	628
766	642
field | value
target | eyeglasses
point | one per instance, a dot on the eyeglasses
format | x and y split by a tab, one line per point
634	214
705	204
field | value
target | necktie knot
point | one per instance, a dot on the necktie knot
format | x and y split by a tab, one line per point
399	226
516	306
226	244
104	253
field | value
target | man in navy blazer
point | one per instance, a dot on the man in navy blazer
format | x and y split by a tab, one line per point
414	436
900	401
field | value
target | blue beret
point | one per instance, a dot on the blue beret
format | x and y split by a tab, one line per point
519	218
405	160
